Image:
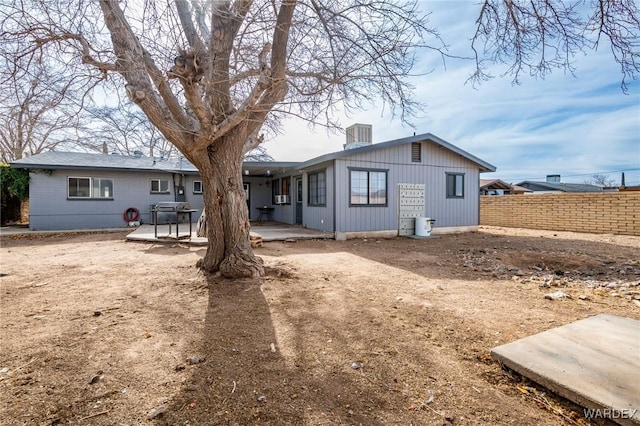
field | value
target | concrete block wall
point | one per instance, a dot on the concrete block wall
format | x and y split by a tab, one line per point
598	213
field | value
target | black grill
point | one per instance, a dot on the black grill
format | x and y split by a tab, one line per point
172	206
170	213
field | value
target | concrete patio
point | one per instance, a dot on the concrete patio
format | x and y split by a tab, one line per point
269	231
590	362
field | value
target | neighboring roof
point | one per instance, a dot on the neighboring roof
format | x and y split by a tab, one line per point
562	187
519	189
427	137
494	184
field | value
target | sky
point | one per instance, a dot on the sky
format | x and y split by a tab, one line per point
574	126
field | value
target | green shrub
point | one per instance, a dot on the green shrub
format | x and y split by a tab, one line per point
14	182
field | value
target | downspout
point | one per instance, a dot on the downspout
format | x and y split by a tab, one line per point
479	196
181	187
334	197
175	187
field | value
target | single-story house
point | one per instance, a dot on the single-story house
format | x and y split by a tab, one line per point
499	187
553	185
494	187
366	189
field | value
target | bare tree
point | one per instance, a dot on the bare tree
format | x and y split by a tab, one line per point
234	65
259	153
125	129
601	180
36	115
536	36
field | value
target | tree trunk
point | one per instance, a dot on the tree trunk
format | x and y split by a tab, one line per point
229	249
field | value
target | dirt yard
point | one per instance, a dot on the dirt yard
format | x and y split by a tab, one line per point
96	330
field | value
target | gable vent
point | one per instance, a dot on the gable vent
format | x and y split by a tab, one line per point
416	152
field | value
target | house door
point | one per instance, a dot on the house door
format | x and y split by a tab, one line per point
298	186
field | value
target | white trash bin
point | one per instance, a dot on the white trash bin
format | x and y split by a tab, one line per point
423	226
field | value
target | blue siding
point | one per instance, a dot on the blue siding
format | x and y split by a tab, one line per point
259	194
50	208
284	213
319	217
436	162
196	201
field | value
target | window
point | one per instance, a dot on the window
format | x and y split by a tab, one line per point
282	187
317	189
298	190
455	185
87	187
102	188
416	152
197	187
79	187
159	186
368	187
275	190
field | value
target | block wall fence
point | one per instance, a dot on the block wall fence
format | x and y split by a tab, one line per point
599	213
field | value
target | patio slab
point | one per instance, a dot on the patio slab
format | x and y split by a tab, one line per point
269	231
274	231
594	362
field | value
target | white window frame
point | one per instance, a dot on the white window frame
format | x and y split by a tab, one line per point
89	186
99	182
91	193
159	183
199	191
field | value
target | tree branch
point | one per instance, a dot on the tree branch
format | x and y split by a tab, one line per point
276	86
160	82
189	29
135	66
200	17
253	141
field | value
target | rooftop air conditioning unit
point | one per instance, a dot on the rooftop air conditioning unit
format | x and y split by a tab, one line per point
358	135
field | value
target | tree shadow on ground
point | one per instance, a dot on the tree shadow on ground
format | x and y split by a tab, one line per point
241	379
246	379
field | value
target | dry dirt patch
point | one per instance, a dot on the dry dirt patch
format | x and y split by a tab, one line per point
96	330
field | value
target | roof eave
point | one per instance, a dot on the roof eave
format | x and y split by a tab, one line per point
32	166
484	166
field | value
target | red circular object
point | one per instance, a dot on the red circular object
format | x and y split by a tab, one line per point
131	214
